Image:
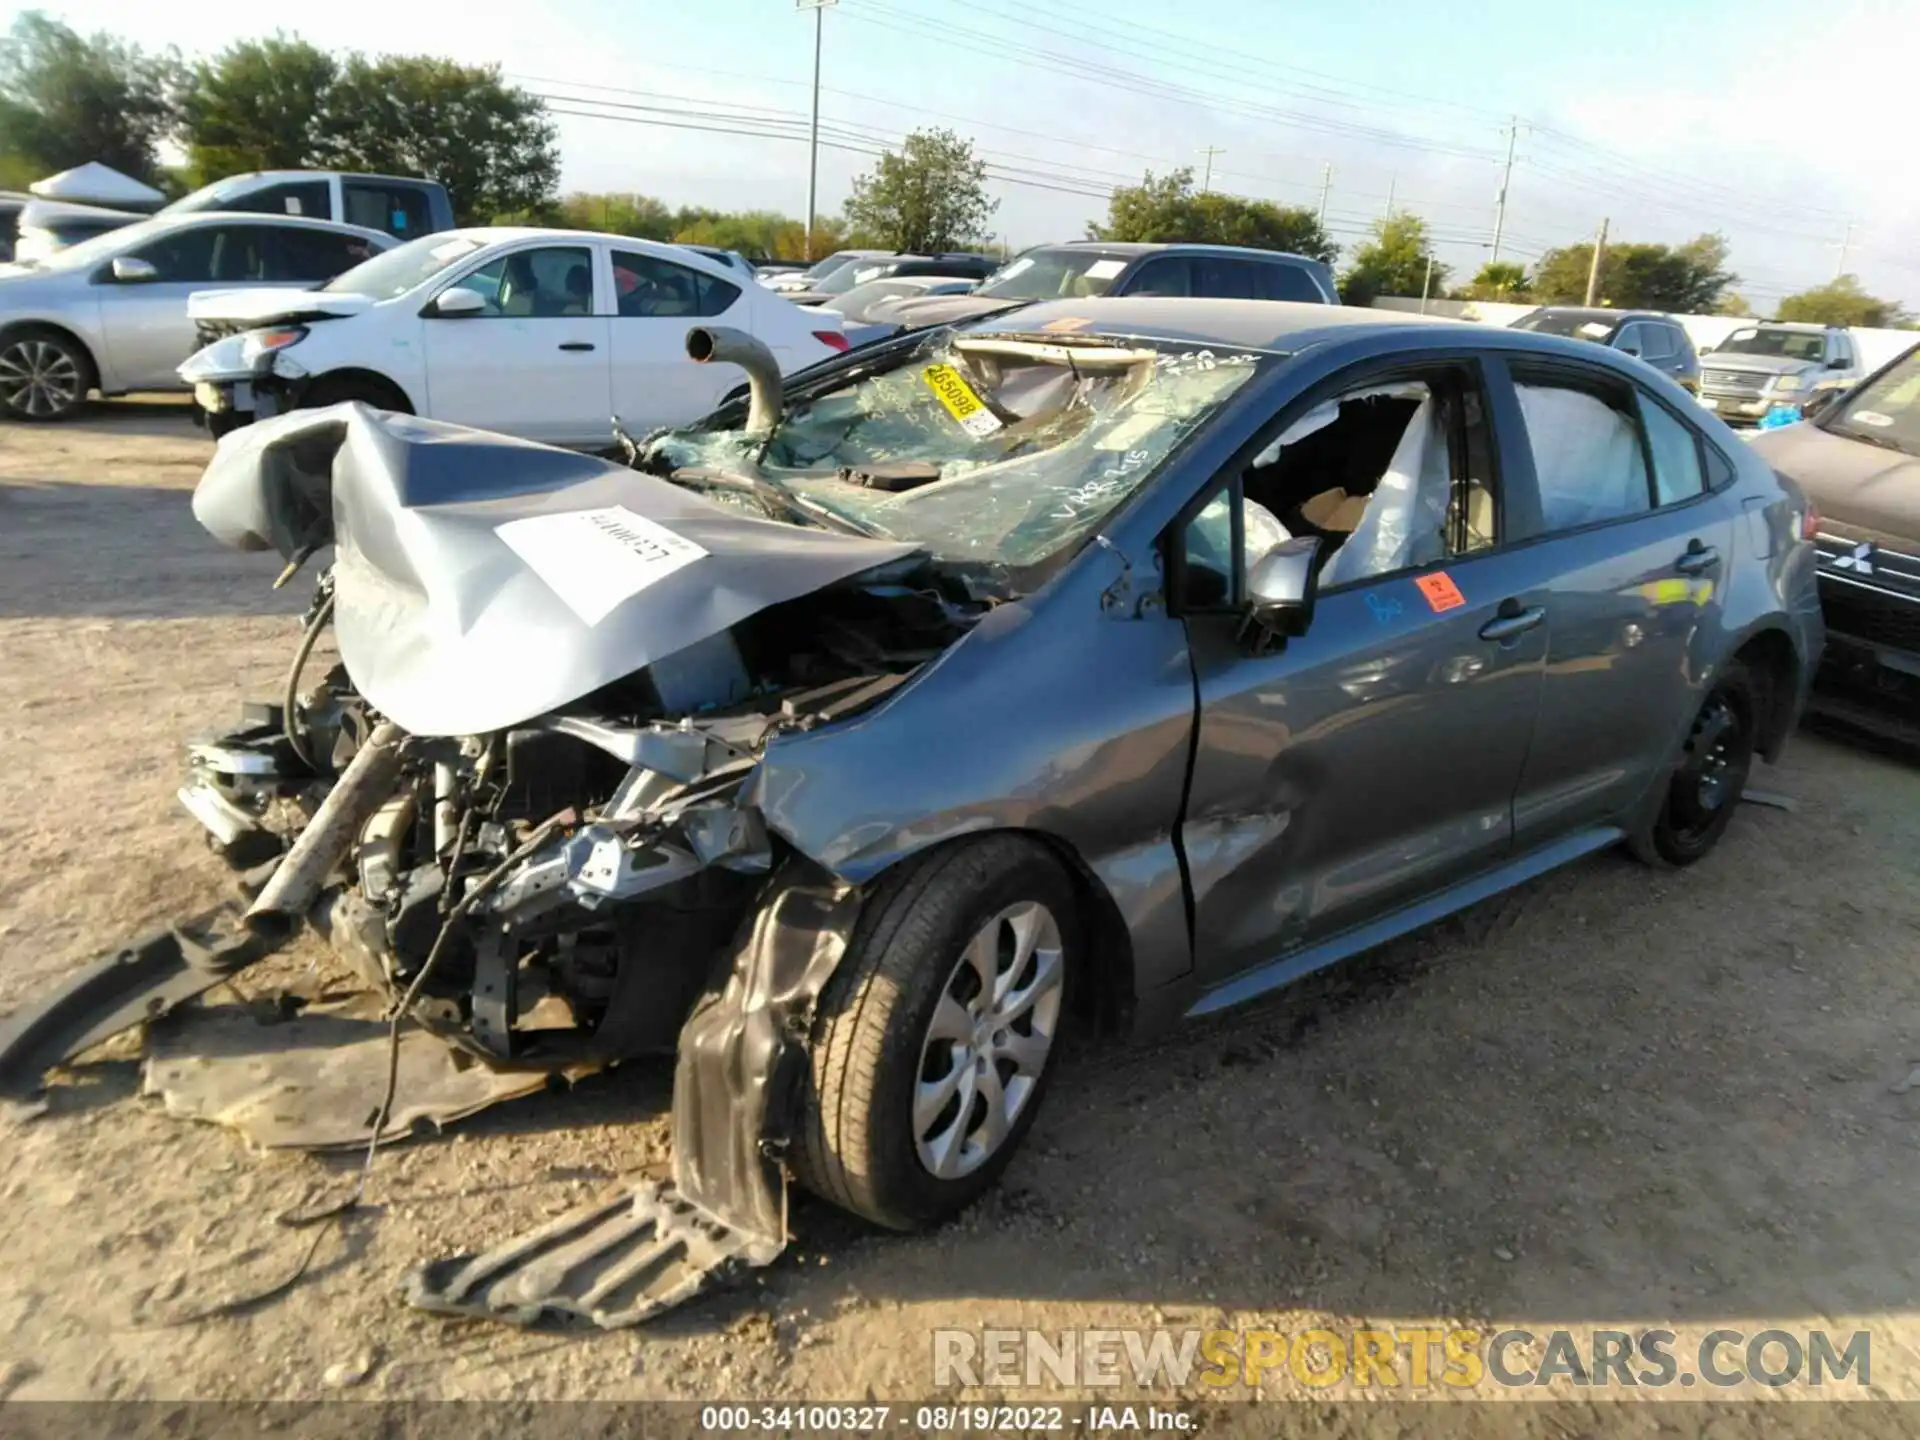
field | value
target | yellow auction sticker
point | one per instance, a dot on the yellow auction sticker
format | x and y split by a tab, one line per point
951	387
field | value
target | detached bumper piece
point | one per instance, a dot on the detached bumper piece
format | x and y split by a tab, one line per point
608	1264
150	978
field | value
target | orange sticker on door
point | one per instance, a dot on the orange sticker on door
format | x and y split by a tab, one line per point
1440	592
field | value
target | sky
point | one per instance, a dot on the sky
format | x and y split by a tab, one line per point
1787	130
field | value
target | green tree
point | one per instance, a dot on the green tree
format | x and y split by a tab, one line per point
1498	280
1398	260
932	195
1687	279
258	105
1843	302
1733	302
491	144
1168	208
638	215
66	99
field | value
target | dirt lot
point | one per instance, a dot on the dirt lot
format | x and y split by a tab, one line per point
1614	1098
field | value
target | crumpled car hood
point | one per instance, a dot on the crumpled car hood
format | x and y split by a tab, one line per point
1861	487
482	581
259	304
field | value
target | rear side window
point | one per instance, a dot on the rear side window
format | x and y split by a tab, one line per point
1586	453
303	254
1287	282
1657	343
1678	338
301	197
1676	455
650	288
1224	279
397	209
1167	275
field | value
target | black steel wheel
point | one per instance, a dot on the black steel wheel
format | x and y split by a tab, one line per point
1709	776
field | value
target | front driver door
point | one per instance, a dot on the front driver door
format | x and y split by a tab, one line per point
1373	758
534	362
145	322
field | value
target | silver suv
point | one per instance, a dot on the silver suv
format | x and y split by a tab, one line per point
1778	363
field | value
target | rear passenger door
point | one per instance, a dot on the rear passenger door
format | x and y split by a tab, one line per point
1637	550
301	256
655	303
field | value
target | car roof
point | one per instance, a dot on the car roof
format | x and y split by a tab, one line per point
1805	327
1275	326
1155	247
1603	312
322	174
192	218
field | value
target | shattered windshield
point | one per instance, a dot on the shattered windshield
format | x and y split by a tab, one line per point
988	447
1055	273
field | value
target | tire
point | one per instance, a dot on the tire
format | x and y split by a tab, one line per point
1708	777
44	375
368	389
875	1053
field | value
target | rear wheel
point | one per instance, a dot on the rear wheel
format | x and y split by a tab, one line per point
933	1041
44	375
1710	776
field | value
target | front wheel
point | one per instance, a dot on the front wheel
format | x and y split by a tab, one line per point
1709	777
933	1040
44	375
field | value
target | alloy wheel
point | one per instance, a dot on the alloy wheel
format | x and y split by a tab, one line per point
39	379
988	1040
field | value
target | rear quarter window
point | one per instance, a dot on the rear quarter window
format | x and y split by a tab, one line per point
1288	282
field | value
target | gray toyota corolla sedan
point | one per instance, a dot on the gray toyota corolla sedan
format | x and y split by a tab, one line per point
1137	655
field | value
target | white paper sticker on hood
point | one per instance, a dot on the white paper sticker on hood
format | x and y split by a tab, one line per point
594	559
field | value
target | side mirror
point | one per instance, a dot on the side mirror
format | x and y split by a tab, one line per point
131	270
1837	363
455	303
1633	350
1280	587
1704	350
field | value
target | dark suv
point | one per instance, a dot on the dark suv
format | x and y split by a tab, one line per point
1646	334
1081	268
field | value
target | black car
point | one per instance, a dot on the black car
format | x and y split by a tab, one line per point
1083	268
1858	459
1647	335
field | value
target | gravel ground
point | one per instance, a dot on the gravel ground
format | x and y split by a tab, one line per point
1614	1098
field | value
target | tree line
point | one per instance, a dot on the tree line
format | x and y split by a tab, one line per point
282	103
67	98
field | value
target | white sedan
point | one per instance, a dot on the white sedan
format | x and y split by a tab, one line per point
543	334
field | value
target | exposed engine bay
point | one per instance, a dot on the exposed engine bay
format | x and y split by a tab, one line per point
536	803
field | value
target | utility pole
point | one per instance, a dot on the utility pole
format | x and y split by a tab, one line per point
1500	200
1209	151
1593	270
1326	187
1426	283
819	8
1392	181
1846	244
